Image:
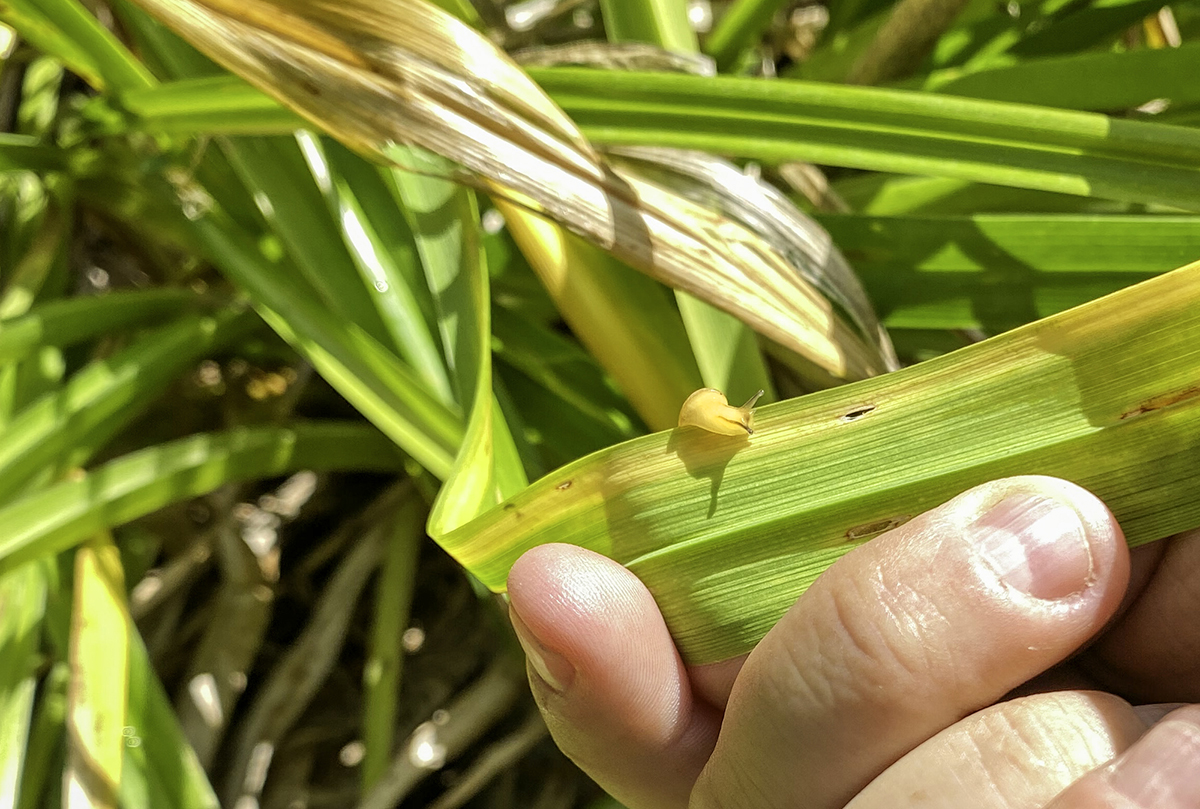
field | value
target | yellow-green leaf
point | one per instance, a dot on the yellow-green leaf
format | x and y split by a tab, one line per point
728	532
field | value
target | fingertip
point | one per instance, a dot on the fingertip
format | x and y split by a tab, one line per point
1049	542
607	675
582	604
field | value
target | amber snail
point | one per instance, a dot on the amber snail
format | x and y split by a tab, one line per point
709	410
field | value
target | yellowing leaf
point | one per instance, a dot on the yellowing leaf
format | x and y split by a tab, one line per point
400	72
99	662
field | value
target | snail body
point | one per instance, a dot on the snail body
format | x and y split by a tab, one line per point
709	410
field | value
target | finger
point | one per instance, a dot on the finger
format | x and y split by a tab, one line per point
607	676
1160	771
1153	652
1012	755
714	682
1077	673
911	632
1152	714
1143	563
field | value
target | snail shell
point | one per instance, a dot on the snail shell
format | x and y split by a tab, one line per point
709	410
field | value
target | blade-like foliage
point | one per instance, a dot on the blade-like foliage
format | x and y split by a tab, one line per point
145	194
96	695
728	532
429	80
62	515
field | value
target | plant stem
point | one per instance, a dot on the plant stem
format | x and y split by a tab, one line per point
742	24
904	40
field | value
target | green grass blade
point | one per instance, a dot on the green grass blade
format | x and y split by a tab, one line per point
532	459
1085	81
26	153
160	769
898	195
64	29
556	429
362	370
662	22
105	396
563	368
445	223
275	172
45	740
385	658
1041	29
99	644
886	130
221	105
22	607
1078	28
726	350
67	322
58	517
997	271
883	130
385	251
740	27
727	533
168	56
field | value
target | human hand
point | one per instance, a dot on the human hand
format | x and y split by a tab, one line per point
886	684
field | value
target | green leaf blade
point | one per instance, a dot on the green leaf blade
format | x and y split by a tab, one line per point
62	515
1098	395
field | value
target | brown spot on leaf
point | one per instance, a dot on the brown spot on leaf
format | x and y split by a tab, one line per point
870	529
1162	402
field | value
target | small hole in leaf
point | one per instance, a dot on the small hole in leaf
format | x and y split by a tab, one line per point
856	413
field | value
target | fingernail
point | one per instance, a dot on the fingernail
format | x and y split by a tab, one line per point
1035	544
1163	768
552	667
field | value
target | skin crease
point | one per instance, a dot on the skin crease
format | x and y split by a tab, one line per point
909	675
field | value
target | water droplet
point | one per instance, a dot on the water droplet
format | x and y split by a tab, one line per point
493	221
424	751
413	639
